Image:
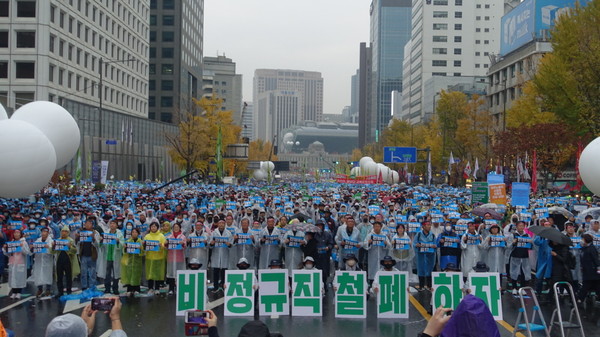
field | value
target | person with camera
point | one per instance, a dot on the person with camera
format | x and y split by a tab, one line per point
70	325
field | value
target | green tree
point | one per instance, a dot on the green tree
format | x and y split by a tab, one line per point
568	77
529	109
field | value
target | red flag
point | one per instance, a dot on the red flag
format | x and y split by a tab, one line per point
534	182
579	184
467	170
380	178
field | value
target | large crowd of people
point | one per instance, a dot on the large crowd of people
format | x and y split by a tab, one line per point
128	238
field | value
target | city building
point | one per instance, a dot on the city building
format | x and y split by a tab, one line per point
365	122
248	120
335	137
390	31
520	53
470	85
176	45
354	94
220	80
450	38
308	85
274	111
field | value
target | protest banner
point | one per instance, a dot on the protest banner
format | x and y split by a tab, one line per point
350	294
392	297
479	192
244	238
174	244
152	245
498	194
306	293
447	289
13	247
520	194
191	291
197	241
86	236
40	248
61	245
273	290
109	238
239	292
133	248
487	287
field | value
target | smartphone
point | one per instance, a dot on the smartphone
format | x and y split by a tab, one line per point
103	303
197	317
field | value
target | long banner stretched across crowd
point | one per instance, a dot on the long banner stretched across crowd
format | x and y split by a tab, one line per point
304	296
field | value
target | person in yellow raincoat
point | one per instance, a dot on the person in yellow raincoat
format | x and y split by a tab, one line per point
131	262
67	265
154	248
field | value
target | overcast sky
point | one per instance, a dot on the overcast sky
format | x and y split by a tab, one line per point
314	35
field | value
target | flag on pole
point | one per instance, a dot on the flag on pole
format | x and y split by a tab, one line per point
130	133
579	183
467	170
526	175
519	169
429	168
380	177
534	182
476	169
450	162
78	169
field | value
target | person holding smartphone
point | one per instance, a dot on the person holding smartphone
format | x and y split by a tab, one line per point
70	325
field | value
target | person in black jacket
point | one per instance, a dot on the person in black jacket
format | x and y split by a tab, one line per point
324	246
561	272
590	268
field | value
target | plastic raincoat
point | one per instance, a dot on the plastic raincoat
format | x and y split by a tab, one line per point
131	264
544	259
155	260
220	251
425	254
102	260
200	253
496	247
470	252
72	253
401	251
176	257
17	266
269	249
350	242
243	247
377	250
293	252
43	266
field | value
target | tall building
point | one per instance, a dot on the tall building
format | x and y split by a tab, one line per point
354	94
308	84
390	30
365	122
449	38
248	120
219	79
176	44
54	50
274	111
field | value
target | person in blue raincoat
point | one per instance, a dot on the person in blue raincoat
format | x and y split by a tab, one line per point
425	247
544	260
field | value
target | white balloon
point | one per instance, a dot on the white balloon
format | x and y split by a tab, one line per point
370	168
259	175
56	123
3	114
355	171
267	166
28	159
589	162
395	177
364	160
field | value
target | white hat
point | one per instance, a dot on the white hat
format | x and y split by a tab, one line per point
67	325
243	260
309	258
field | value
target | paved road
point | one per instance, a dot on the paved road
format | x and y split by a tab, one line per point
154	316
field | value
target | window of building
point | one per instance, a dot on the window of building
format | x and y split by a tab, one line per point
440	14
52	13
438	63
457	63
152	101
478	6
3	9
166	117
168	36
477	53
440	38
168	20
51	42
51	73
167	69
153	4
22	98
61	75
477	65
458	15
152	85
457	51
152	52
438	74
458	2
457	26
4	39
487	6
457	74
477	30
487	30
440	2
26	9
152	36
458	39
487	18
166	101
152	69
486	65
477	41
25	39
168	53
152	20
168	4
3	69
478	18
440	51
166	85
440	26
25	70
485	53
486	41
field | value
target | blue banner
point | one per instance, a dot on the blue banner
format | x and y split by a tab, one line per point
520	194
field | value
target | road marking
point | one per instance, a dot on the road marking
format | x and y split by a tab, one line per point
15	304
215	303
419	307
74	305
510	328
4	289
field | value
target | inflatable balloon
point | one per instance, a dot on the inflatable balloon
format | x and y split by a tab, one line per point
364	160
56	123
3	114
267	166
355	171
28	159
370	168
589	162
395	177
259	175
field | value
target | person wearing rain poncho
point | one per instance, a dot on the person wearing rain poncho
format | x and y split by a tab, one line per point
220	241
425	246
544	261
154	249
244	242
401	250
470	243
16	250
378	245
110	251
270	244
496	245
198	244
131	262
348	239
176	243
43	266
67	265
293	240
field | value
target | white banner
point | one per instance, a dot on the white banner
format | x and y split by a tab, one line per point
487	287
307	293
447	289
392	295
239	292
350	294
273	292
103	171
191	291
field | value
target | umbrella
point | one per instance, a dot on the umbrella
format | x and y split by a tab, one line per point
480	211
560	210
551	234
300	216
308	228
594	212
490	205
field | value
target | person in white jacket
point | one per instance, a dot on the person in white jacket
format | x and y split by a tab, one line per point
470	244
17	251
43	266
